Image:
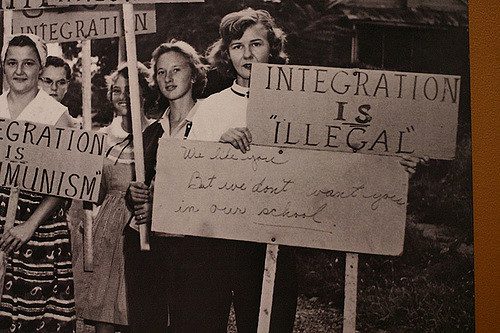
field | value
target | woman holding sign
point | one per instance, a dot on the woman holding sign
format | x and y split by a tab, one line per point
247	37
37	294
197	300
237	267
101	293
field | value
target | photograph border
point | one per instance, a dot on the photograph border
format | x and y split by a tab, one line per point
484	21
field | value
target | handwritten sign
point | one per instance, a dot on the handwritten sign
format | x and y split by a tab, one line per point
366	111
51	160
113	2
318	199
55	25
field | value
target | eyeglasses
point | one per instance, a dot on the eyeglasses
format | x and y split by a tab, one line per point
49	82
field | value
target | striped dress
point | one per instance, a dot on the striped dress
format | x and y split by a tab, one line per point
101	294
38	293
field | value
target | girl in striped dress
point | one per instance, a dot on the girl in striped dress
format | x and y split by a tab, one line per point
101	294
38	293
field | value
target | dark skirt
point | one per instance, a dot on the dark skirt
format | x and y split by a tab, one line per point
38	292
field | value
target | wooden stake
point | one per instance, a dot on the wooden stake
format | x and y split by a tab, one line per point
87	84
351	292
10	217
7	31
266	297
88	250
122	53
133	77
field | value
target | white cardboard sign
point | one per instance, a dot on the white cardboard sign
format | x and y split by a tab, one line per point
317	199
54	25
58	161
365	111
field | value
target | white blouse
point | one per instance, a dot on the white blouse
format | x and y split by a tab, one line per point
42	109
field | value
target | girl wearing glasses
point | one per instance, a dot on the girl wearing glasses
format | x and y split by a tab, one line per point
55	77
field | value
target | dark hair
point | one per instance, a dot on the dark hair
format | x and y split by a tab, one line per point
233	26
58	62
198	69
23	40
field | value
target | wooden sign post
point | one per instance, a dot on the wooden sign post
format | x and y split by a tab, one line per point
266	298
133	76
88	249
7	28
130	29
350	292
71	26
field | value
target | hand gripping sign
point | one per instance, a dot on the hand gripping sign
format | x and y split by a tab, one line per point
65	24
63	162
301	184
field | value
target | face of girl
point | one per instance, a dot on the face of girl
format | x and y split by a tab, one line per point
21	69
174	76
120	96
53	81
252	47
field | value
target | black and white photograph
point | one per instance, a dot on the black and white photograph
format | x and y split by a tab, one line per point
179	166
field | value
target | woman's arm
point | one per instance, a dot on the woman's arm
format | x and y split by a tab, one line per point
13	239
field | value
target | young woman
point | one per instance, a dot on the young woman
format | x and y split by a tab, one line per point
250	36
187	270
38	293
101	293
55	77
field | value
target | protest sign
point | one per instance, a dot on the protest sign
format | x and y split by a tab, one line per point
113	2
365	111
54	25
39	4
45	159
345	202
23	4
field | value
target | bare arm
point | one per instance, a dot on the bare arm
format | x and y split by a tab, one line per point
12	239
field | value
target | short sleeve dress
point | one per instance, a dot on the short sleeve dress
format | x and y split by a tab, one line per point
101	294
38	294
